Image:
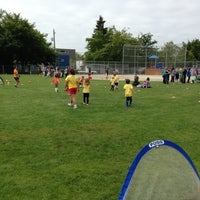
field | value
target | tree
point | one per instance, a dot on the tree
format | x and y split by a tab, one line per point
114	49
193	50
147	40
100	38
172	54
100	25
79	56
21	42
107	44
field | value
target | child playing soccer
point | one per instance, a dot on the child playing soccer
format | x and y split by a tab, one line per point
56	82
128	87
89	76
112	83
116	77
86	91
16	76
72	87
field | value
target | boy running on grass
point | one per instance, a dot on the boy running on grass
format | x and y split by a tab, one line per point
128	88
56	82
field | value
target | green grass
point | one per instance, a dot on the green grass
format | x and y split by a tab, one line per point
50	151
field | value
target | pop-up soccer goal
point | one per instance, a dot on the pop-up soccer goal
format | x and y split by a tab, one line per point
162	170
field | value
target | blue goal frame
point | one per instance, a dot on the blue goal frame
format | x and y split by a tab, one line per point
139	156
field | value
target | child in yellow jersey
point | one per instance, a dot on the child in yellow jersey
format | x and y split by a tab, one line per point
72	86
128	87
116	77
112	83
86	91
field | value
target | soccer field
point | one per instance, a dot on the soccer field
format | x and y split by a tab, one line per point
50	151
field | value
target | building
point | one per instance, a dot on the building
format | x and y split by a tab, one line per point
66	57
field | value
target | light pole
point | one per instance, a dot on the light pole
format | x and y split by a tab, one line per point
54	39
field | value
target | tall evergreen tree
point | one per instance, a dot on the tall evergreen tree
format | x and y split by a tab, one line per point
100	25
100	38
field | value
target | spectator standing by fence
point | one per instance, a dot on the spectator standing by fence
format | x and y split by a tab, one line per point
196	72
188	75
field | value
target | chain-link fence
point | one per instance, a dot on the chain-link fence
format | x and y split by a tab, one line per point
137	58
137	67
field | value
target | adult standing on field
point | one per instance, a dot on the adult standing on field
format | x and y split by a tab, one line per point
188	74
106	71
72	86
16	76
164	75
196	72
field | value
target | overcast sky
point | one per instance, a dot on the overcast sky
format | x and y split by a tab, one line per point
75	20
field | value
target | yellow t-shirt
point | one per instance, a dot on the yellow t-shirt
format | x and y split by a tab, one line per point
86	88
112	81
116	77
128	90
72	81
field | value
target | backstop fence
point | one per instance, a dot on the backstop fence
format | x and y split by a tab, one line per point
137	67
136	59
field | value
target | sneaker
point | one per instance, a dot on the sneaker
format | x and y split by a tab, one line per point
69	104
75	106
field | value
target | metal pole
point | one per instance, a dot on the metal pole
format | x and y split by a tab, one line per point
185	59
145	57
134	59
166	58
123	61
175	55
54	39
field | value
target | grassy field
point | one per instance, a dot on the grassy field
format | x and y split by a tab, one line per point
50	151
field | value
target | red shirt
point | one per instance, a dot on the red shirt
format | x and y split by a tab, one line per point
55	80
